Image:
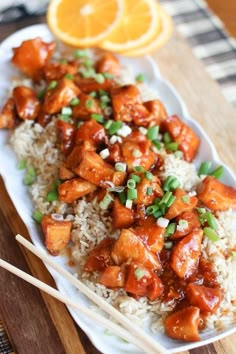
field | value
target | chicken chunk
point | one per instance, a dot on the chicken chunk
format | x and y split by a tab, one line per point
157	114
112	277
130	247
144	186
32	55
127	104
76	155
92	131
95	170
86	106
88	85
181	204
141	281
43	118
122	217
66	135
183	324
73	189
8	115
65	173
181	133
60	96
26	102
206	299
186	253
100	257
216	195
138	154
108	63
56	71
192	220
57	234
151	234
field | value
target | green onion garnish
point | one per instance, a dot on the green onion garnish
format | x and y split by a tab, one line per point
106	201
75	101
170	229
87	73
185	199
131	184
67	111
136	153
166	198
115	126
149	190
139	273
152	132
69	76
140	78
211	220
51	196
152	209
89	103
93	94
98	117
168	245
201	210
64	117
163	208
108	124
120	166
37	216
211	234
28	179
122	197
218	172
88	63
105	99
56	183
157	214
136	178
170	184
170	201
52	85
132	194
102	93
172	146
139	169
148	175
102	105
99	78
234	254
108	75
183	223
21	165
157	144
80	53
204	168
166	138
41	94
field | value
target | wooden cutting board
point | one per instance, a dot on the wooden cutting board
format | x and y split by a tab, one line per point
35	322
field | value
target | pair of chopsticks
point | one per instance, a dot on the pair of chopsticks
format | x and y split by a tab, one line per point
126	330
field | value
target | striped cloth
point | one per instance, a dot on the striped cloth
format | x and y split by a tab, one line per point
209	41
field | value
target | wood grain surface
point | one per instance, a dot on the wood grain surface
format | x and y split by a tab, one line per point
33	319
226	10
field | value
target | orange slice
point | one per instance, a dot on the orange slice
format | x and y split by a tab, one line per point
83	23
158	40
140	21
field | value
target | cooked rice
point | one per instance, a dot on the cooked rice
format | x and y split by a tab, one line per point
91	224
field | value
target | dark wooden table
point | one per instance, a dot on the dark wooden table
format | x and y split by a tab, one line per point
35	322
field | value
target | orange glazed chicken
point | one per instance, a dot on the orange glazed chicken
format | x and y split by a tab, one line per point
117	187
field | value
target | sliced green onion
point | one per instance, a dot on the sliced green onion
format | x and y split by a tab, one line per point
157	214
131	184
183	223
151	209
136	153
108	75
28	180
201	210
153	132
170	184
172	146
204	168
93	94
139	273
168	245
157	144
80	53
120	166
87	73
89	103
122	197
211	234
99	78
234	254
136	178
211	220
170	229
67	111
218	172
108	124
56	183
64	117
139	169
75	101
140	77
132	194
166	138
115	126
149	190
105	99
157	201
88	63
102	93
148	175
98	117
179	154
102	105
41	94
166	198
51	196
104	204
38	216
185	199
52	85
128	204
163	208
21	165
69	76
170	201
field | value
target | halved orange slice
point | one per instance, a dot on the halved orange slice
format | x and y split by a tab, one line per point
83	23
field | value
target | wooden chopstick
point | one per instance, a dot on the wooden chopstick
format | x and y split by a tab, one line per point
142	339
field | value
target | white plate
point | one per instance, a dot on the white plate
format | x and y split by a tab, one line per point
18	192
